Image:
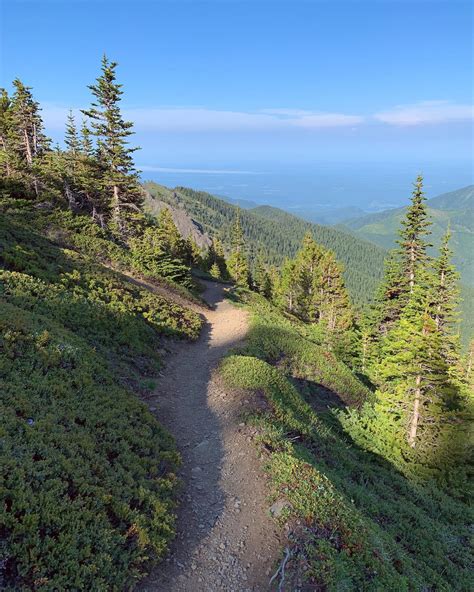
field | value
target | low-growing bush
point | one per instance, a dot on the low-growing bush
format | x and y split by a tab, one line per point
87	472
87	476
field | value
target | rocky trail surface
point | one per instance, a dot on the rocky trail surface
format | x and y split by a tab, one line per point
226	539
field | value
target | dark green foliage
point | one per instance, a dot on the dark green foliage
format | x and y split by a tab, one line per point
237	261
120	180
279	235
311	287
88	474
422	414
362	525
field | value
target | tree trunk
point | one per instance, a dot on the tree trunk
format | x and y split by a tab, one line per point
70	196
412	268
438	311
416	413
116	206
28	152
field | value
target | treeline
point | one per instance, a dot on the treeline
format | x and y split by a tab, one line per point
93	175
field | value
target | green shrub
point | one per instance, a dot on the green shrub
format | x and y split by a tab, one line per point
87	472
358	524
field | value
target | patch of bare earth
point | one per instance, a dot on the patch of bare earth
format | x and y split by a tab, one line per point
226	539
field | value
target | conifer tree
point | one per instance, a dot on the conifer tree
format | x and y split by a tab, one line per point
72	157
120	179
307	263
287	287
219	255
406	265
415	226
445	291
418	400
5	134
330	303
237	263
169	236
261	278
27	141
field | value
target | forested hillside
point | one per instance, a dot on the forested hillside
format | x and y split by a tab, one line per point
275	235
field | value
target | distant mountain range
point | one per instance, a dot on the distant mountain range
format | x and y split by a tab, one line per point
455	208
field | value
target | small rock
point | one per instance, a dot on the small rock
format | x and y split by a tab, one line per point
278	507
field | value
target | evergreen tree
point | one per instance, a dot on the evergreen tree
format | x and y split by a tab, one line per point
169	235
405	266
5	134
237	263
261	278
193	255
287	287
330	302
306	268
71	179
219	255
414	227
215	271
445	291
27	142
418	401
120	179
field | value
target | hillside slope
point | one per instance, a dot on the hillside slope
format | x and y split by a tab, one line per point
88	473
279	235
455	208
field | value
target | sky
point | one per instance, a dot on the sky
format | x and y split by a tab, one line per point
295	103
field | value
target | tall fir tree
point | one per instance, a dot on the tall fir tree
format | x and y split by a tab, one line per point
415	226
261	278
330	303
237	262
306	268
287	287
27	142
406	265
120	179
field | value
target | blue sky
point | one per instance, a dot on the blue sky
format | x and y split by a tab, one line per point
263	86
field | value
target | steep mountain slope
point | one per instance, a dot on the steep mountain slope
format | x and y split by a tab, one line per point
88	473
185	224
278	234
455	208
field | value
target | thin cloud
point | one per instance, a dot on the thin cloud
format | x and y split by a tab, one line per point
200	119
154	169
426	112
213	120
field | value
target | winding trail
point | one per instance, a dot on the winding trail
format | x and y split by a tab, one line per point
226	540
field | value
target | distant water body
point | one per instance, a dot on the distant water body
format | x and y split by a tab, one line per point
317	188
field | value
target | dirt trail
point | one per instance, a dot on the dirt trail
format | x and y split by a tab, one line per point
226	540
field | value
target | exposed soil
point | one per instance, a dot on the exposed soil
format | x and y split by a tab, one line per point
226	539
